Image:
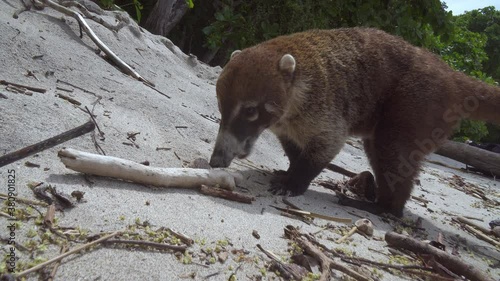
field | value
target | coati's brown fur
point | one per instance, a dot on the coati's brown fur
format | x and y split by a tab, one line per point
314	89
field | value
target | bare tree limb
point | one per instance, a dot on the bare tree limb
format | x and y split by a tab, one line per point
451	262
114	167
83	24
46	144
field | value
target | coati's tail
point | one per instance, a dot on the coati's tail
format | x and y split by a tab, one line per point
477	99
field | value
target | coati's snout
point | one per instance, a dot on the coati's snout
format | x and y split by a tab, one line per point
228	146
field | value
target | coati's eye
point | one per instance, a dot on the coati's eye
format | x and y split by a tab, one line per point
251	113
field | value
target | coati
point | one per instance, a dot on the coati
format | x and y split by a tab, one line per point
314	89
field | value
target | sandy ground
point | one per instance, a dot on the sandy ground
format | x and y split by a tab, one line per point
43	49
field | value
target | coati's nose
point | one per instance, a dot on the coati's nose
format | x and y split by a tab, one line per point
218	160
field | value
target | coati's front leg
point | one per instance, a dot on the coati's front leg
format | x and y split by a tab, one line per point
292	151
305	165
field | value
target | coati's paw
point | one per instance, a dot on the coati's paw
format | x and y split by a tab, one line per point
284	186
278	183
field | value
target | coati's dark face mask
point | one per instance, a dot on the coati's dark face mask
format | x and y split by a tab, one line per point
250	100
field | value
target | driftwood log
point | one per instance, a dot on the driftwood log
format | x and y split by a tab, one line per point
473	156
453	263
114	167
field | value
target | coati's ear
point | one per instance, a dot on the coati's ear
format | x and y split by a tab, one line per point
234	54
287	64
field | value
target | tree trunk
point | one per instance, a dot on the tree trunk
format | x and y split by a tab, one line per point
473	156
164	16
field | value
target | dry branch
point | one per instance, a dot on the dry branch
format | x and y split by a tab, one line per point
46	144
226	194
34	89
452	263
326	263
83	24
114	167
60	257
160	246
340	170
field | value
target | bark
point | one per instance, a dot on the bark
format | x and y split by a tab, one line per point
123	169
473	156
453	263
164	16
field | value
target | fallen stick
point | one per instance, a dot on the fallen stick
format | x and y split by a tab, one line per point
482	236
161	246
25	201
64	249
83	24
34	89
340	170
226	194
187	240
46	144
468	222
114	167
289	271
326	263
452	263
60	257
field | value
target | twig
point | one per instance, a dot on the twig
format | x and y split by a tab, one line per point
64	89
479	231
83	24
95	122
326	263
290	271
468	222
158	91
161	246
226	194
46	144
290	204
3	214
69	99
188	241
482	236
48	220
312	215
60	257
78	87
25	201
340	170
87	14
64	249
34	89
384	265
453	263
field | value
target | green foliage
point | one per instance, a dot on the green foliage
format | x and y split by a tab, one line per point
469	50
468	43
106	4
485	21
138	8
228	25
471	130
190	4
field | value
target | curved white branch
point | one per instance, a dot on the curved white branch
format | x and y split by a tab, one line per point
114	167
